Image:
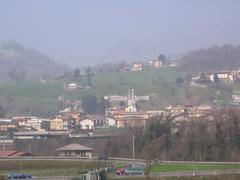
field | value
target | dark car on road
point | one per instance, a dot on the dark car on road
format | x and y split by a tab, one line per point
18	176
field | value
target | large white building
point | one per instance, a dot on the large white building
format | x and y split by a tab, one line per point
87	124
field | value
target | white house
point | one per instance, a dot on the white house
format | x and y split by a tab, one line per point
87	124
156	113
137	67
72	86
155	63
236	98
110	122
34	123
225	76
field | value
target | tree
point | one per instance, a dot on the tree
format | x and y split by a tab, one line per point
163	58
220	141
76	74
89	104
13	74
180	80
103	175
149	156
122	103
216	78
105	103
2	112
17	75
122	65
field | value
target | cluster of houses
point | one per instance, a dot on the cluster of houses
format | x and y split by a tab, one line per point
223	76
130	116
75	123
155	63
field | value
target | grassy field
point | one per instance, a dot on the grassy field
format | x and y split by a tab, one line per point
164	167
159	83
144	82
43	97
48	168
73	168
219	177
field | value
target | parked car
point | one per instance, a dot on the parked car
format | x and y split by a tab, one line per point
134	171
120	171
18	176
103	157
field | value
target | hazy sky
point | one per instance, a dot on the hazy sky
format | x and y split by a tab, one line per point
86	32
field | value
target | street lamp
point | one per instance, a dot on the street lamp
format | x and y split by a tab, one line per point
133	146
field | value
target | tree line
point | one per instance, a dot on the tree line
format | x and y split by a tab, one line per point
214	58
195	140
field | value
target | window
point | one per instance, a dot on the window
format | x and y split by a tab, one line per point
67	153
83	154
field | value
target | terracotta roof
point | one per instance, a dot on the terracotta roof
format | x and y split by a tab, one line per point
20	153
14	153
7	153
131	113
74	147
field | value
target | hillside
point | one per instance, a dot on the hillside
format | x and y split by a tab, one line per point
214	58
160	84
18	62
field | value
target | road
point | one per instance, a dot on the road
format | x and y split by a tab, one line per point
164	174
190	173
53	178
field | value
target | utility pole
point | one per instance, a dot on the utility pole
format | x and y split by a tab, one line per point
133	144
4	145
29	148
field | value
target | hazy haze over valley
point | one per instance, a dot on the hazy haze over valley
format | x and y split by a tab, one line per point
86	33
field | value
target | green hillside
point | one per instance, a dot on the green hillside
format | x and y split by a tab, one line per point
159	83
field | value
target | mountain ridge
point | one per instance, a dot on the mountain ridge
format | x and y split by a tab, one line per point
214	58
34	64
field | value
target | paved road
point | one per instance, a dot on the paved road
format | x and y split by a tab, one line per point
190	173
164	174
53	178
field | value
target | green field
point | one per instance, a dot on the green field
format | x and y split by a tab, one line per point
159	83
73	168
218	177
165	167
47	168
43	97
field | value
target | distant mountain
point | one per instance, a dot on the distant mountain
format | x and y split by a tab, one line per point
214	58
16	60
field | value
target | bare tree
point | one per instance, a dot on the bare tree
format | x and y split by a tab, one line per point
149	156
